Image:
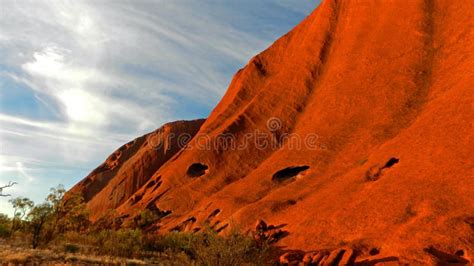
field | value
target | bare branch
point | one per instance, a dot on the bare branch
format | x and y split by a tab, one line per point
10	184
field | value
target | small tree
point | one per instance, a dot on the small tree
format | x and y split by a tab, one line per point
38	218
21	206
75	216
67	213
58	210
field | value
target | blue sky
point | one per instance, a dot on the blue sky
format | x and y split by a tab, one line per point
80	78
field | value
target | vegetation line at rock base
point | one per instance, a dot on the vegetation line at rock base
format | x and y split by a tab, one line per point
59	231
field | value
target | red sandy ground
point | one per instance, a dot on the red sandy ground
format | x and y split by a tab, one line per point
374	80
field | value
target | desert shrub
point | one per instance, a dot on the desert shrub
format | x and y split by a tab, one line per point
4	231
123	242
209	248
174	258
5	225
71	248
234	249
146	219
175	242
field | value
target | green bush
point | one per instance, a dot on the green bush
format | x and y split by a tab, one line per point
123	243
175	242
71	248
203	248
208	248
4	231
233	249
5	225
147	218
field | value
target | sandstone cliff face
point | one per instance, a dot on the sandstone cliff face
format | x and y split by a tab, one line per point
132	165
379	95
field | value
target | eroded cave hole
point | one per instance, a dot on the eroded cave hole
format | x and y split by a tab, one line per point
184	224
391	162
220	229
197	170
289	172
137	198
150	184
375	172
374	251
214	213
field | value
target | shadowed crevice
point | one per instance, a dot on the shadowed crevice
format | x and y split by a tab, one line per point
197	170
289	172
